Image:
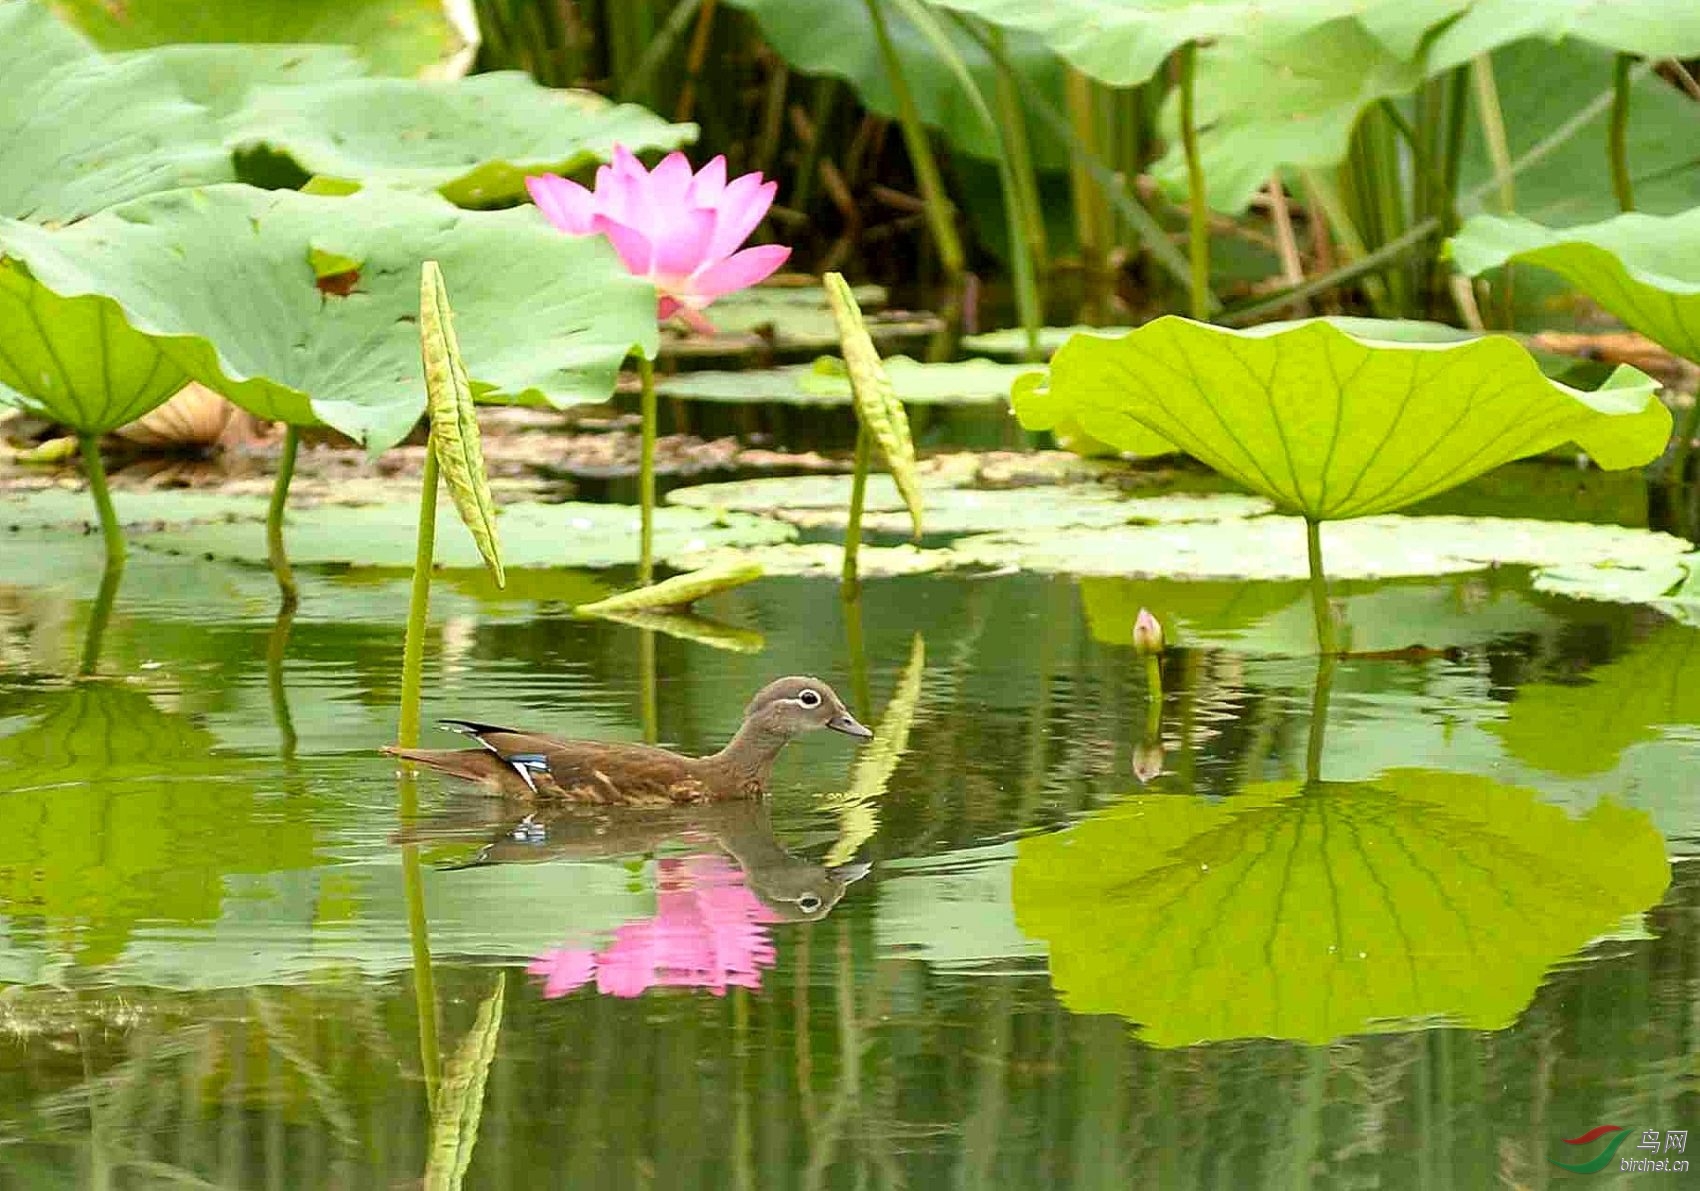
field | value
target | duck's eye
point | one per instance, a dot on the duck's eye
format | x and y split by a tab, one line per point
808	903
809	698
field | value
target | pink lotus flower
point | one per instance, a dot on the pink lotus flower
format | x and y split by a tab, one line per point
680	230
709	932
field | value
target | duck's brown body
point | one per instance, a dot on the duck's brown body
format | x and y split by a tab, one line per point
614	774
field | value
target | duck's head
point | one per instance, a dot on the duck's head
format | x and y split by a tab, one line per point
789	707
804	892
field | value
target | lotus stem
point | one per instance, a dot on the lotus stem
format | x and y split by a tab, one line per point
1153	696
1619	132
419	605
1198	211
649	703
850	581
95	470
277	646
1090	216
274	517
1325	664
424	980
646	472
1491	117
941	214
1319	588
1021	199
100	615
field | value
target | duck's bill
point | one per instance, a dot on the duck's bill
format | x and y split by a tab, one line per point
850	726
850	873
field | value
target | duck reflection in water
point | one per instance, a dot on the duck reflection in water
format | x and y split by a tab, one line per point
713	908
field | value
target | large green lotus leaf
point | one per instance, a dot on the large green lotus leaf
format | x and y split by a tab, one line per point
473	140
836	37
393	36
1333	425
1314	913
1648	28
825	383
533	535
224	277
118	814
79	132
1277	619
1123	42
1273	548
1583	726
1645	269
823	502
222	78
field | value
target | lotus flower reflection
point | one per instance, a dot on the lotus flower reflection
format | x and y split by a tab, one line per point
709	932
680	230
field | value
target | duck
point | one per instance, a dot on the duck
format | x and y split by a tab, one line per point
511	761
521	831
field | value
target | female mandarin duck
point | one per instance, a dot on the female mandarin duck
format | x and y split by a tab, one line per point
513	762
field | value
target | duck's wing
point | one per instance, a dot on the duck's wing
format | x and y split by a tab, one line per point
618	774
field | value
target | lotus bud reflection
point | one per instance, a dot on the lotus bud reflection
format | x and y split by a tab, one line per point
1148	761
1147	634
678	229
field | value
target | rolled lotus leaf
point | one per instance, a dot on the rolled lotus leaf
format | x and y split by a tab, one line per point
454	420
681	591
460	1101
877	760
1333	425
876	404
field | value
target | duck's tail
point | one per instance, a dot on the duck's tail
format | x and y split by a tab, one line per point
472	765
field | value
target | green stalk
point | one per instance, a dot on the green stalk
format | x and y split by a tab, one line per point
646	473
1153	696
1325	664
100	616
95	470
1351	242
1492	119
850	582
424	980
419	605
1198	213
649	705
1319	588
1088	203
1021	203
635	86
941	214
274	517
1619	135
277	647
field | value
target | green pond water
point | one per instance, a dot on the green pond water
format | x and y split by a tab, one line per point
1473	936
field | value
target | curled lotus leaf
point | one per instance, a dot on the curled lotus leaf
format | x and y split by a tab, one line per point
1318	911
1645	269
460	1100
876	761
881	413
455	441
698	630
1333	425
819	559
677	592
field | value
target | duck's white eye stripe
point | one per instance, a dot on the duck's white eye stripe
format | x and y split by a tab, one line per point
809	698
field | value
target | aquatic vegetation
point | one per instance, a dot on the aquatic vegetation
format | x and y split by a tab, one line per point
1331	425
1319	911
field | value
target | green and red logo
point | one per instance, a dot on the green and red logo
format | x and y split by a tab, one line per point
1598	1162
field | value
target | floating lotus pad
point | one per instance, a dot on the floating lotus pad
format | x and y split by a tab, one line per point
825	383
823	559
788	327
1672	585
1011	342
823	502
533	535
1645	269
225	277
1315	913
1334	425
46	508
1273	548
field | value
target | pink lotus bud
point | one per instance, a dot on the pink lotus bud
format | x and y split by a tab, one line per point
680	230
1147	633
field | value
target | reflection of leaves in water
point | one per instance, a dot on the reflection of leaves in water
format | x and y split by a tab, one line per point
117	813
1345	908
1582	728
460	1104
856	808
